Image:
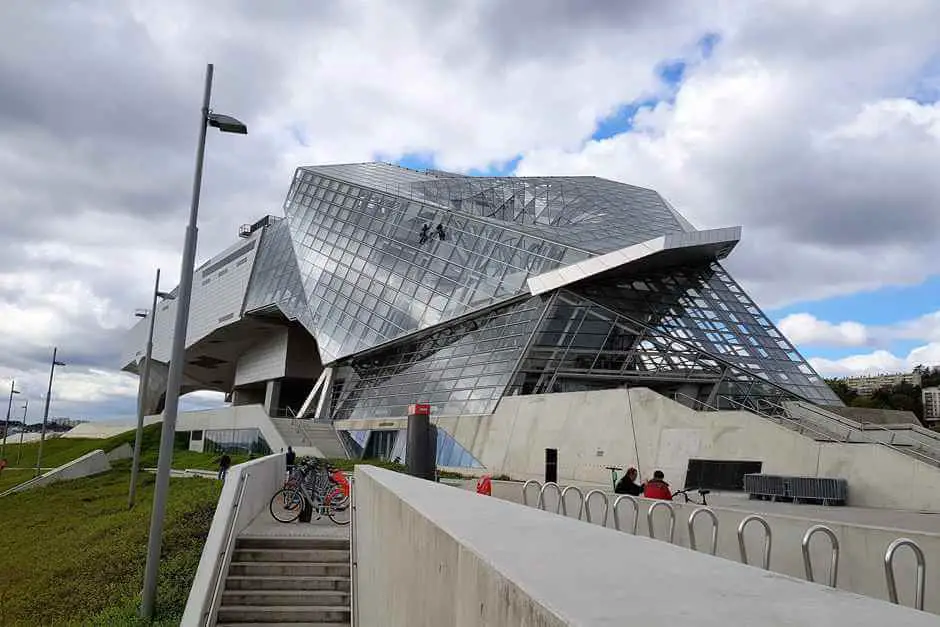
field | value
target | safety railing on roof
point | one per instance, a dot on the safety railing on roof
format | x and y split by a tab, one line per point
832	579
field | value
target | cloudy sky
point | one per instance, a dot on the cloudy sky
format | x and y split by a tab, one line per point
815	126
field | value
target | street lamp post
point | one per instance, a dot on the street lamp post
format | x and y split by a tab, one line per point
226	124
6	426
45	413
19	450
142	389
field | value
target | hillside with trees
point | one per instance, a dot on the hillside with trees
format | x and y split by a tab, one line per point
903	396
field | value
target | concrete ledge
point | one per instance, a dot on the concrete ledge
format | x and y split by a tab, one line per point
89	464
431	555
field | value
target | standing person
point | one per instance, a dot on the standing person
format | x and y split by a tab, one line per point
3	464
657	488
224	464
628	485
290	457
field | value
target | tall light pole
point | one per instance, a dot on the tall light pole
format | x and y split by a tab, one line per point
45	413
142	389
19	450
226	124
6	426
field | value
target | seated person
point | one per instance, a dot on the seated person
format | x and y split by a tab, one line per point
657	488
627	485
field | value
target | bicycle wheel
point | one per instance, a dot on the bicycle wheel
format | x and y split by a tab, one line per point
286	505
338	507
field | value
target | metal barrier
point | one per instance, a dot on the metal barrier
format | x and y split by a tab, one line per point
525	487
587	506
636	511
353	557
714	517
564	504
834	563
921	571
768	538
672	519
209	615
541	503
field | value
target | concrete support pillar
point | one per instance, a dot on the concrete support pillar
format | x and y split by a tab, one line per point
272	397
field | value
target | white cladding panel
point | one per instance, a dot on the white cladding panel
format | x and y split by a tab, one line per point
265	360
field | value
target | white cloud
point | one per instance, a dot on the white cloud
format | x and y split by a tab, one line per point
807	330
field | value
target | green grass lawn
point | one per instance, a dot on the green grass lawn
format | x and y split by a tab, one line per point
72	554
11	477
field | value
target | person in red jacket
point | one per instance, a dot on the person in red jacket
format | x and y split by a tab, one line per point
657	488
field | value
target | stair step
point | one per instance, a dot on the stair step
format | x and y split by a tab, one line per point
288	569
262	542
292	598
240	614
319	556
269	582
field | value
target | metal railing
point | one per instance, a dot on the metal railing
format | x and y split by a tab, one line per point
525	487
784	420
918	448
587	506
564	502
834	562
650	527
768	539
832	579
353	557
218	578
714	518
921	583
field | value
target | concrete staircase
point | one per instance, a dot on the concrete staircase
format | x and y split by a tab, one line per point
310	438
287	581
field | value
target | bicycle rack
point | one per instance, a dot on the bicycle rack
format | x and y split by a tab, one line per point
564	504
921	568
833	565
587	506
541	503
636	511
525	488
672	519
714	517
768	538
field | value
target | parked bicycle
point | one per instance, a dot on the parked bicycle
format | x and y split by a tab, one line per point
315	485
689	499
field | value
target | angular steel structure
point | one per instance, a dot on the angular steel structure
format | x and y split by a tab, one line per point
428	286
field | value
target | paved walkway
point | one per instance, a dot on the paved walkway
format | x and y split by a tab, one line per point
264	526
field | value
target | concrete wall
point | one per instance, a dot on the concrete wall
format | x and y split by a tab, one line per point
89	464
862	547
233	417
262	477
641	428
430	555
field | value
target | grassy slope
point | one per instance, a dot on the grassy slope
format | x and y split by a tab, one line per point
72	554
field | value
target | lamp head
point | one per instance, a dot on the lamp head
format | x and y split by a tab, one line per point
227	124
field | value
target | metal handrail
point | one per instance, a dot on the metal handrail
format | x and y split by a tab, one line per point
353	557
587	506
921	571
714	517
636	511
212	609
541	503
672	519
788	422
834	562
768	538
696	402
564	504
856	427
525	487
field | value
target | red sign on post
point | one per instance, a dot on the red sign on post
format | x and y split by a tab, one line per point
419	409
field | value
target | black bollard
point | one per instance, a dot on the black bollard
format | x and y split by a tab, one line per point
551	465
420	456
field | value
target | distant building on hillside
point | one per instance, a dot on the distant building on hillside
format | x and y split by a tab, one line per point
931	398
867	385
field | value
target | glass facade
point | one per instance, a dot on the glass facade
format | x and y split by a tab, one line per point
414	286
248	441
391	445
